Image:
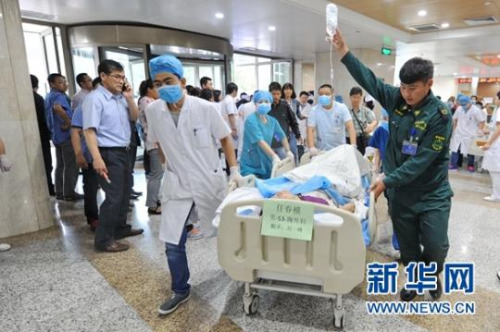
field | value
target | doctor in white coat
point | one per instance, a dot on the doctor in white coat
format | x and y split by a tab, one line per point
186	129
491	161
468	121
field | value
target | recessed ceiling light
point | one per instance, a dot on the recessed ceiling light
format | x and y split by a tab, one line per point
445	25
422	13
220	16
455	74
498	56
379	64
272	28
487	3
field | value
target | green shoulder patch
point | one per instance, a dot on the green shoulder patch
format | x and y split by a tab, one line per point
437	143
417	113
420	125
443	111
399	112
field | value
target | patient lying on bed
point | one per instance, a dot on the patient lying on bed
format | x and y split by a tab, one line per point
316	197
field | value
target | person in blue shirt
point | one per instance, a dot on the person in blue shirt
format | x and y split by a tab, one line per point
58	113
328	122
107	112
84	161
378	141
258	157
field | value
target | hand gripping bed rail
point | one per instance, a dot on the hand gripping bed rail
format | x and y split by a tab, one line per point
282	167
334	259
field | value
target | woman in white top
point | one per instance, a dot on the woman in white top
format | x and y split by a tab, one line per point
148	94
491	160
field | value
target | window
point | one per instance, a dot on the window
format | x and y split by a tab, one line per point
83	61
252	73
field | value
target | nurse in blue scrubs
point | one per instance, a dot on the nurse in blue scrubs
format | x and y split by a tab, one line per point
257	156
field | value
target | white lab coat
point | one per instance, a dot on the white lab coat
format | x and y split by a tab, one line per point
467	128
228	107
193	172
245	110
491	161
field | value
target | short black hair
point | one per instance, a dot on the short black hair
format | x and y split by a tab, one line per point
498	94
274	86
80	77
243	94
326	86
206	94
302	93
195	92
108	66
52	77
189	88
204	80
231	87
217	94
144	86
416	69
355	91
288	86
34	81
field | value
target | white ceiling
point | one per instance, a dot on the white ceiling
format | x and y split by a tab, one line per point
300	27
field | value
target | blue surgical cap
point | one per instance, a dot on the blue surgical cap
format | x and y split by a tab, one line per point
262	95
463	100
384	113
165	63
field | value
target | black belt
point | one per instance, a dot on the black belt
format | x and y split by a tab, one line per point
118	148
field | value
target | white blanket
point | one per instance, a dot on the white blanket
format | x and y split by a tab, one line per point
343	166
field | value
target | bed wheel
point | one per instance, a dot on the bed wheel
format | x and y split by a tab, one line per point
338	323
338	319
251	304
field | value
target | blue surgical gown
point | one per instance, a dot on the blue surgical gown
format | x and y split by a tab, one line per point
253	159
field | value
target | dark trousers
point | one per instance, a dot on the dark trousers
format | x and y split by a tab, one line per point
90	188
113	211
66	170
454	159
177	262
360	142
47	161
133	156
420	223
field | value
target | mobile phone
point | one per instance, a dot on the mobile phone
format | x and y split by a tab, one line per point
125	86
331	19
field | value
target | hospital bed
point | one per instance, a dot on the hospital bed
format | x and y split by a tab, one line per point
330	265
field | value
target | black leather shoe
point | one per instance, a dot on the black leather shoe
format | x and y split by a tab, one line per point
116	247
136	193
131	232
436	294
407	295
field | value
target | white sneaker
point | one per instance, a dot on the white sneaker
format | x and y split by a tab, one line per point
4	247
491	199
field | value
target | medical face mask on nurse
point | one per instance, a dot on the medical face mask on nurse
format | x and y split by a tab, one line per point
263	107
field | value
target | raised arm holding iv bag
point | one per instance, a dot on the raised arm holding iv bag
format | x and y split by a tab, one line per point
331	27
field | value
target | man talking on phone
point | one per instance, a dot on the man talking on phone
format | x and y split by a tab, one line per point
107	112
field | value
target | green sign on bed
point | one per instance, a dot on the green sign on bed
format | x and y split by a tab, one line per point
287	219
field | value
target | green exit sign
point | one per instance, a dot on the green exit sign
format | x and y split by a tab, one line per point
386	51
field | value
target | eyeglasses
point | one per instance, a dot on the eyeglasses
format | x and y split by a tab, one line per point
118	77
